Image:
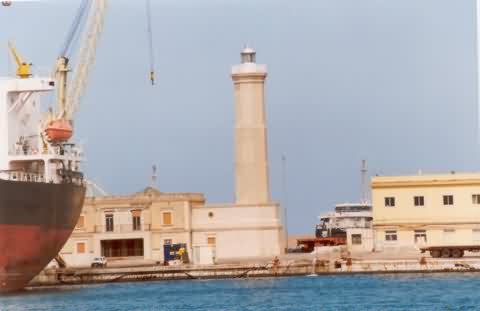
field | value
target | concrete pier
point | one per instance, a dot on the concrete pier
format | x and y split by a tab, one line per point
283	268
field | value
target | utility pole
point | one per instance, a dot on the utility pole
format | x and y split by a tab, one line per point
285	198
477	56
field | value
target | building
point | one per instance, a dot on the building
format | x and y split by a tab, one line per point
138	226
133	226
426	210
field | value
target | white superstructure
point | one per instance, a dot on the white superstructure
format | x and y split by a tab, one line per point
25	152
348	216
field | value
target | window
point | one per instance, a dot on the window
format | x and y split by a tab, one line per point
167	242
476	199
109	222
211	241
356	239
391	236
81	248
476	235
81	222
136	223
420	236
418	201
390	202
167	218
448	200
136	218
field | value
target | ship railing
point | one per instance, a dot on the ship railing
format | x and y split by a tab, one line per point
24	176
123	228
26	145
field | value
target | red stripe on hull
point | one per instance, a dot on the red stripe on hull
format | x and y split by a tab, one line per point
25	250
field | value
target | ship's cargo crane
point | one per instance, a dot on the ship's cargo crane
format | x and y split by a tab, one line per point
60	125
23	68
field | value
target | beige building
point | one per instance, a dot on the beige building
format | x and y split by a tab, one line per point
133	226
139	225
426	210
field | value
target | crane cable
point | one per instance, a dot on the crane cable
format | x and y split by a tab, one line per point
150	42
72	35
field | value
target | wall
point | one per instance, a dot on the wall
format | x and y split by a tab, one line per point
240	231
367	236
434	217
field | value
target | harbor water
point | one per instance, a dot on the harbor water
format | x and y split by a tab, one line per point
454	291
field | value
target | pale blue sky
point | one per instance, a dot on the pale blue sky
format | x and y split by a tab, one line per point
392	81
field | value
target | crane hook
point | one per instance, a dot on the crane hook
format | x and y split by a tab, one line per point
150	41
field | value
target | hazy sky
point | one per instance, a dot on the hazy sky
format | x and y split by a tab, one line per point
391	81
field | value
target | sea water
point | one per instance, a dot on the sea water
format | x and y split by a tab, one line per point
354	292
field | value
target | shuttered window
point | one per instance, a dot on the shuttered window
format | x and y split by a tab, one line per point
167	218
81	248
136	220
476	199
389	202
448	200
211	240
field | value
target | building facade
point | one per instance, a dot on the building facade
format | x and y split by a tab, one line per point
133	226
138	226
426	210
240	232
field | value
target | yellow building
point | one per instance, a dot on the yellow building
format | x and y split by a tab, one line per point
426	210
133	226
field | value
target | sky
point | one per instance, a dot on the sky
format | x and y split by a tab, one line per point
389	81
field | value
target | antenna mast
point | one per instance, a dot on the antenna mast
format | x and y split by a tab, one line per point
364	171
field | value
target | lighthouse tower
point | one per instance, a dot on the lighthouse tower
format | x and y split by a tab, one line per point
251	156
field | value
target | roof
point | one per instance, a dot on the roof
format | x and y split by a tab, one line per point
429	180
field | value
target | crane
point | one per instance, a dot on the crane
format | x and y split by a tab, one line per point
59	126
23	68
150	41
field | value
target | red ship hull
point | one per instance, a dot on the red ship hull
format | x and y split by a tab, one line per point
36	219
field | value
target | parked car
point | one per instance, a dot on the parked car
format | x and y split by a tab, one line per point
99	262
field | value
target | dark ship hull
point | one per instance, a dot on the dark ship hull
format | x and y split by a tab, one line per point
36	219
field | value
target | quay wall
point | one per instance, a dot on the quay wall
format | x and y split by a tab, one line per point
71	276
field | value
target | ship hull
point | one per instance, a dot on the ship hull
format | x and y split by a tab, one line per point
36	219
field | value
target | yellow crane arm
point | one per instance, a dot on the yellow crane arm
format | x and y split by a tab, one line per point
23	69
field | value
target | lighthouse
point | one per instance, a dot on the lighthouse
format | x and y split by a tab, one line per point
251	153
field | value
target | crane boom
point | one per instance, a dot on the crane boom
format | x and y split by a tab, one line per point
86	56
23	68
